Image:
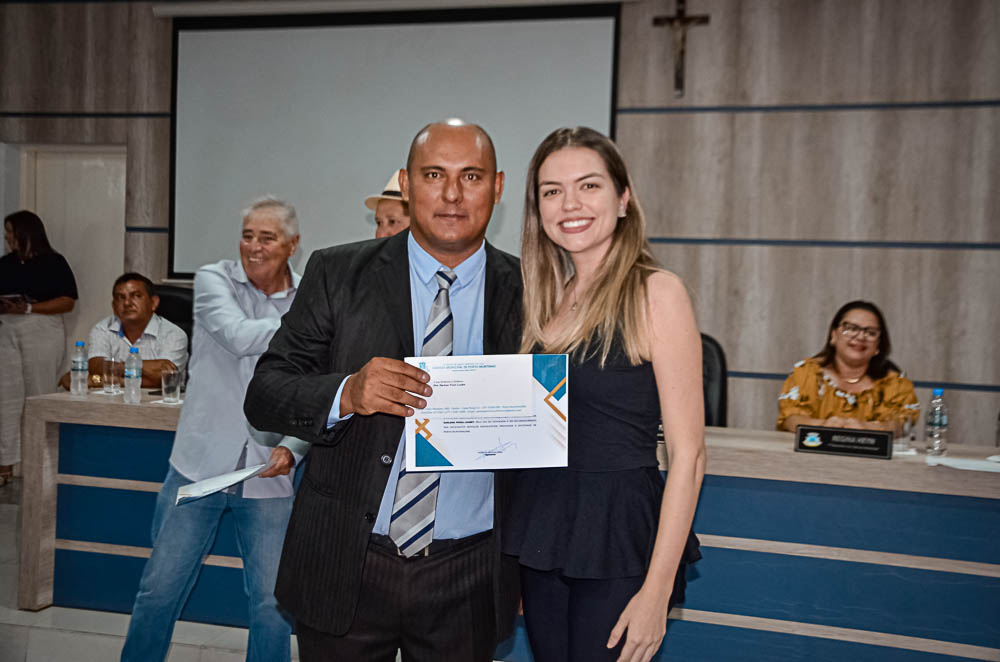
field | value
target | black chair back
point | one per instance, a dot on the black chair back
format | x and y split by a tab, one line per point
177	305
714	378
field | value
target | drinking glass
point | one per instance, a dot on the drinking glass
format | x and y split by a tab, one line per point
170	380
112	375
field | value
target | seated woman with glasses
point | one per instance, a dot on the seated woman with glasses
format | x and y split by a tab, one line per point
851	383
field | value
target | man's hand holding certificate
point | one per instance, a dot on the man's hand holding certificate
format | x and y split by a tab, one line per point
491	412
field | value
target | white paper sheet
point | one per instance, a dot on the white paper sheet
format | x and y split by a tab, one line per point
216	484
963	463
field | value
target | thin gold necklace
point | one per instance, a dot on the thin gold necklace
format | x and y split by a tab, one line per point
851	381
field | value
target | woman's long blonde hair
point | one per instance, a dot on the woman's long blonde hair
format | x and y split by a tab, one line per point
615	303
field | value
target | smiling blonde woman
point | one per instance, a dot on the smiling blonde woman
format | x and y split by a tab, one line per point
603	543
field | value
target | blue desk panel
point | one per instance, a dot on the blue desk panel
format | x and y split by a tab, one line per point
126	453
107	582
944	606
701	642
937	525
918	603
82	513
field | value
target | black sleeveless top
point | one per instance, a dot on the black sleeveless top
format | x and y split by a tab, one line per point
597	518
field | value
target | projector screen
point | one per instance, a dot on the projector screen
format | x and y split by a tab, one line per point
321	115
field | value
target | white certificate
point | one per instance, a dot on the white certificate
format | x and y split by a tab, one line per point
506	411
216	483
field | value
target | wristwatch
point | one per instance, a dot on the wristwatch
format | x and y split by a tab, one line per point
95	380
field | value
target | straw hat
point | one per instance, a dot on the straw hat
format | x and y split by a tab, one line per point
390	192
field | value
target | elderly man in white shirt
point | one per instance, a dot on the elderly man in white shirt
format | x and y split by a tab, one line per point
237	308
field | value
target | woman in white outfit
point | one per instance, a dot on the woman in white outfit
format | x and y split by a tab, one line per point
36	288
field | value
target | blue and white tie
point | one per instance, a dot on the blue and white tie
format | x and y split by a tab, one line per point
412	523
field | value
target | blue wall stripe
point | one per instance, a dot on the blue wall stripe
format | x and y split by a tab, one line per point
934	525
82	513
139	228
739	374
948	386
110	452
807	107
67	114
917	603
87	580
829	243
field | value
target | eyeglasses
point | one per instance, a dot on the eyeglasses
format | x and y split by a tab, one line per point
849	330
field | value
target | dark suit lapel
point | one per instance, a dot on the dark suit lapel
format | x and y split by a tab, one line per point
502	292
393	278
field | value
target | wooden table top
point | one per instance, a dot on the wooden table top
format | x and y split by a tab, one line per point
762	454
95	408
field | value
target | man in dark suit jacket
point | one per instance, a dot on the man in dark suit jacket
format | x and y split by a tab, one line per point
333	376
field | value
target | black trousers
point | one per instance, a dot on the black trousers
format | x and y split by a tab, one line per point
570	620
436	608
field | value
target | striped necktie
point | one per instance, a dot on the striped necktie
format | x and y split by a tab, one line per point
412	523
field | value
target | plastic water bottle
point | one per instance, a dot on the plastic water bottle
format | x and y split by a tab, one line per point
78	370
133	376
937	424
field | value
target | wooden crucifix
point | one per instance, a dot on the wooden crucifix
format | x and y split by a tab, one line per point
679	24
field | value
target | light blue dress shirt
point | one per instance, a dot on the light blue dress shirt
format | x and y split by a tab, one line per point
465	498
233	324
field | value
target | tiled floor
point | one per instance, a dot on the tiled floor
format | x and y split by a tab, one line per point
57	634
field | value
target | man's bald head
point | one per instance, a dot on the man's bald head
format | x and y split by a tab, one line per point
451	184
482	138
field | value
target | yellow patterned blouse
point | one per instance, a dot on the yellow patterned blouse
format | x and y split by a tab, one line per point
808	392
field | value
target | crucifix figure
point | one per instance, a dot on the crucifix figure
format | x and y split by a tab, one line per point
679	24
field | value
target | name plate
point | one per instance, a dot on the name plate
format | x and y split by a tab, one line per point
844	441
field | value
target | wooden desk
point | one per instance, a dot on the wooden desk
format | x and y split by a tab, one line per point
40	466
810	556
769	455
805	556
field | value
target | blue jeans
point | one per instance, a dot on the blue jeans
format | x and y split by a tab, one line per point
182	537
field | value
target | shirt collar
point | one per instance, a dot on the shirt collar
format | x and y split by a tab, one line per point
152	327
425	265
239	274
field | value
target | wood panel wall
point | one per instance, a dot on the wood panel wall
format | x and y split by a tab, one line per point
96	74
854	128
870	122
